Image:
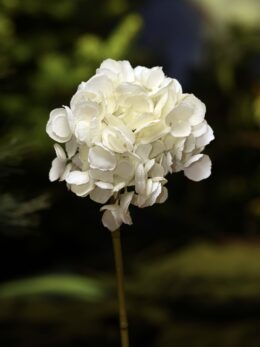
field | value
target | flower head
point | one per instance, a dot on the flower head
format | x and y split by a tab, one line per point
125	130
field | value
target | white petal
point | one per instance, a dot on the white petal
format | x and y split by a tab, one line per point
78	163
88	131
127	89
116	136
206	138
177	155
102	159
169	142
69	116
148	165
190	110
149	187
83	189
199	129
157	188
170	102
155	78
140	103
110	220
198	107
163	196
110	64
158	148
156	171
125	200
71	147
127	71
66	172
140	73
193	159
113	76
150	78
169	160
82	131
117	123
179	143
176	86
199	170
100	195
143	150
189	144
58	126
126	218
105	176
147	125
180	128
140	178
178	113
77	177
166	163
152	132
59	152
118	186
99	84
87	110
83	153
81	96
104	185
139	200
110	207
121	69
161	102
162	180
115	140
125	169
57	168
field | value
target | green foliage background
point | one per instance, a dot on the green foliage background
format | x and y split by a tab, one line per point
193	264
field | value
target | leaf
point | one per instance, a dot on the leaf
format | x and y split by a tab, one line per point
71	286
244	13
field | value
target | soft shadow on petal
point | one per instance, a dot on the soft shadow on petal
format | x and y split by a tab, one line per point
100	195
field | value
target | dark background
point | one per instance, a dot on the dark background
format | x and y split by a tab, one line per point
192	264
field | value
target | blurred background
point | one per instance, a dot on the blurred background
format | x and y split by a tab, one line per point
192	264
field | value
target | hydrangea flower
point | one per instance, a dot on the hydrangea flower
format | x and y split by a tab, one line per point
126	129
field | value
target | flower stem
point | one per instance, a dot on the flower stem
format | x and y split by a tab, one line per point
120	287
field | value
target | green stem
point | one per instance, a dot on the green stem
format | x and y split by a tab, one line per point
120	287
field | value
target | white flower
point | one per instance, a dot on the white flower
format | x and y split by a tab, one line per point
59	167
87	122
149	78
117	213
117	70
126	129
58	127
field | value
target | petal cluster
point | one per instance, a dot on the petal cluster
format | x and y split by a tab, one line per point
125	129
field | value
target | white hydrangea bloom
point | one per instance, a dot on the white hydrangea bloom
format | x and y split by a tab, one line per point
125	130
